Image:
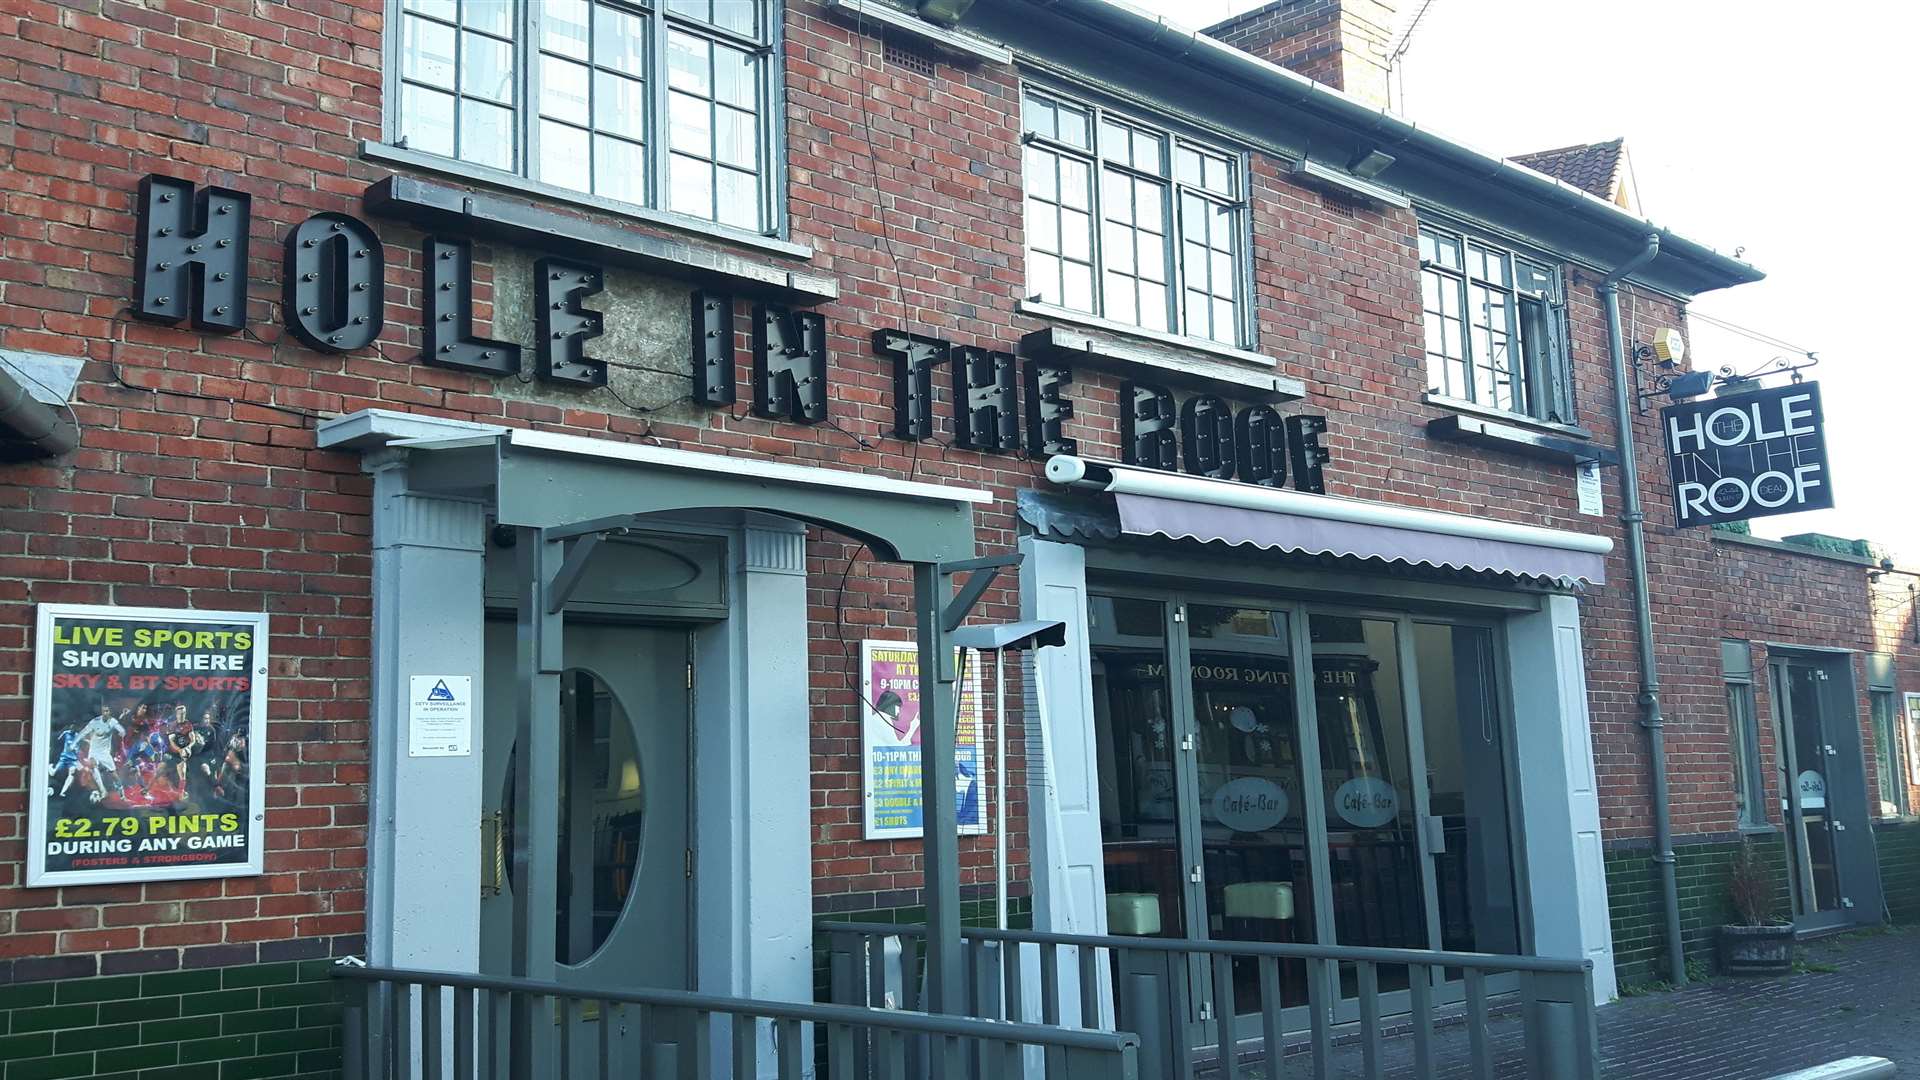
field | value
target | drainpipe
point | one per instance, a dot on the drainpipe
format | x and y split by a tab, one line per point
1634	520
30	428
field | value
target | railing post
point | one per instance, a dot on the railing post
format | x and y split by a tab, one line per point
1554	1045
353	1024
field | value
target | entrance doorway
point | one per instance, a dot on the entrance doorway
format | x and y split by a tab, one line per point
1833	875
623	914
1295	773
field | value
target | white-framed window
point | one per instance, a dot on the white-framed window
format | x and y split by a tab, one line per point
1888	753
665	104
1132	222
1495	326
1743	734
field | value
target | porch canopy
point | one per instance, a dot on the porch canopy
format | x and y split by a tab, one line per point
560	494
1151	502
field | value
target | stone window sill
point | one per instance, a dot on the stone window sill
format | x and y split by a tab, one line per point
1514	419
1180	360
386	154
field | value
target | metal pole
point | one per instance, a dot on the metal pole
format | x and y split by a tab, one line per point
1634	521
1000	788
939	825
536	782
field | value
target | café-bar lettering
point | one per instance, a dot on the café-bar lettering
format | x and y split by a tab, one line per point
192	252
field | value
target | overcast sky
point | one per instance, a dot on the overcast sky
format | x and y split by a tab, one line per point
1751	124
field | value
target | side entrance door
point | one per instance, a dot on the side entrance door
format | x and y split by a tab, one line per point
1834	875
622	918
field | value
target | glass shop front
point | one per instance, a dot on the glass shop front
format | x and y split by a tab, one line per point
1294	772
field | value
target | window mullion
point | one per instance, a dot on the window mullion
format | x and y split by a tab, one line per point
658	125
1176	226
529	54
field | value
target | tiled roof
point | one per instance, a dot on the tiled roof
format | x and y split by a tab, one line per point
1592	167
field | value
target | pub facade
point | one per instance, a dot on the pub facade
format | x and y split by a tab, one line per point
571	402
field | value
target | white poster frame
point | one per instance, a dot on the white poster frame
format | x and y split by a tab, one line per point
971	698
260	661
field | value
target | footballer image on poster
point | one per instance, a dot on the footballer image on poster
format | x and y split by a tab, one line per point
148	727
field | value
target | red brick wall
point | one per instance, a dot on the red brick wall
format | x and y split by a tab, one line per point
198	484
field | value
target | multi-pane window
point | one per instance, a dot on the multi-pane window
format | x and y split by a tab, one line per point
1495	326
1887	752
1133	223
1743	732
661	103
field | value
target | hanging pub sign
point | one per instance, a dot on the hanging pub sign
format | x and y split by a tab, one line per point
149	737
1747	455
192	257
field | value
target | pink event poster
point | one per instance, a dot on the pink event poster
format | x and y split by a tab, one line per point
890	740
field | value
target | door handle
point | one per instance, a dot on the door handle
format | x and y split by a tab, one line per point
1436	835
493	853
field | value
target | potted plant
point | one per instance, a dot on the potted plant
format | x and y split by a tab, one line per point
1761	943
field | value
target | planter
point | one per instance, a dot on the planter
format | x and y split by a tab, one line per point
1756	950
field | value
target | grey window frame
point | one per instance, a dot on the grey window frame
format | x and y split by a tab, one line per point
1889	752
1173	137
766	48
1540	362
1743	733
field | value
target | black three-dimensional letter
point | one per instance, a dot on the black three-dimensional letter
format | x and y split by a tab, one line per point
334	290
191	262
789	364
446	286
562	327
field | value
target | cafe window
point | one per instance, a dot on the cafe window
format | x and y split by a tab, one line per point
1133	223
1496	326
664	105
1743	734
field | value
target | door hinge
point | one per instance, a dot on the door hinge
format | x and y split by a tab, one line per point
1846	901
1186	742
689	676
1830	750
689	862
1206	1010
1193	875
1179	613
1839	827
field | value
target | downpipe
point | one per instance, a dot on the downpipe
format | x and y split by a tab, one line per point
32	427
1633	518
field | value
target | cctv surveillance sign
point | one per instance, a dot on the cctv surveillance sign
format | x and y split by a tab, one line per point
1749	455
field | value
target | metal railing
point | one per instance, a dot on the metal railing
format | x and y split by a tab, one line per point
430	1025
1173	993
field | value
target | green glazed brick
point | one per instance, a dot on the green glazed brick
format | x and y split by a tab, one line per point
220	1001
199	1070
280	1042
54	1017
319	1061
119	988
316	970
273	997
260	975
260	1020
74	1040
154	1008
255	1067
148	1056
220	1049
15	1047
324	1015
48	1068
26	995
180	1030
179	982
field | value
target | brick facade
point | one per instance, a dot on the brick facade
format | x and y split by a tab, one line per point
198	483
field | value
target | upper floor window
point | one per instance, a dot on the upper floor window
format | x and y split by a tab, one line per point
662	104
1133	223
1495	326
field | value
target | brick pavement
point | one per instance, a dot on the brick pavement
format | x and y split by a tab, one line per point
1859	994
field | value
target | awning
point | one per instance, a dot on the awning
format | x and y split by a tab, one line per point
1154	503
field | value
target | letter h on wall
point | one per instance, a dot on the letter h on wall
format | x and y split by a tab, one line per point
192	263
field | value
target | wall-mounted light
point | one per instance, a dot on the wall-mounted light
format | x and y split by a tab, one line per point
945	12
1690	385
1371	164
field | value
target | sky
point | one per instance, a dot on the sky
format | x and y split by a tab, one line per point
1750	125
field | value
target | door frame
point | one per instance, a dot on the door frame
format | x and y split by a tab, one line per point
1856	869
1175	602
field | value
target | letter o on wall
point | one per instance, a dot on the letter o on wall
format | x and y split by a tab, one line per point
335	285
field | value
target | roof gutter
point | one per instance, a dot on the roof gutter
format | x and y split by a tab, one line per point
30	428
1220	59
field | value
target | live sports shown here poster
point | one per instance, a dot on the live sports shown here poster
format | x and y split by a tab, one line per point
890	743
149	738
